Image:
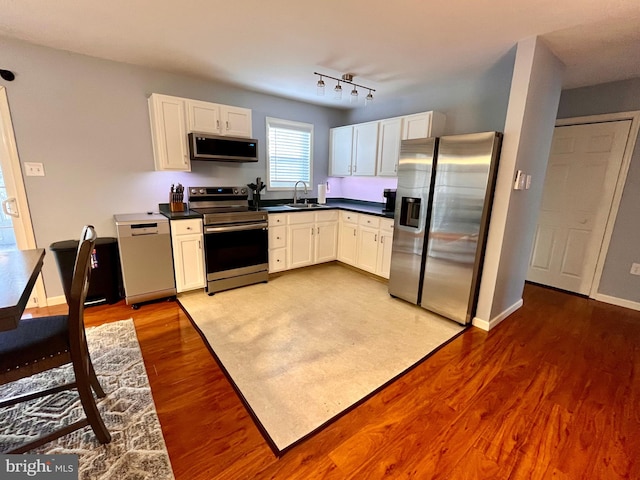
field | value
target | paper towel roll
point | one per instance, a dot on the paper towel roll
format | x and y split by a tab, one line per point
322	193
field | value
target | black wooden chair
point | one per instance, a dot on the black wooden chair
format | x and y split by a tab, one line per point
40	344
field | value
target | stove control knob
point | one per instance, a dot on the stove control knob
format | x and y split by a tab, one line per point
243	191
235	191
194	190
202	191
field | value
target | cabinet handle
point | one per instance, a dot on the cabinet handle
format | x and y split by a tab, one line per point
355	168
218	124
354	232
277	238
381	239
318	230
375	238
199	245
227	125
312	231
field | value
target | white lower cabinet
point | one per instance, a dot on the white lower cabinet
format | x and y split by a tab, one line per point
300	239
365	242
277	242
384	248
188	254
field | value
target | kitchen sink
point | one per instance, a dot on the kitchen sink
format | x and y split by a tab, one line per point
305	205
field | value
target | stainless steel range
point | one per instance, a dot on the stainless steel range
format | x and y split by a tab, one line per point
235	238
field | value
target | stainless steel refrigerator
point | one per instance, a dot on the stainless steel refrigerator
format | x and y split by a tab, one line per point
443	205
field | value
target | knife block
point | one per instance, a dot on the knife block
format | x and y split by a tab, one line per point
176	206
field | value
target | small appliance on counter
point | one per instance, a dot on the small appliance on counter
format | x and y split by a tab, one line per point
256	188
390	202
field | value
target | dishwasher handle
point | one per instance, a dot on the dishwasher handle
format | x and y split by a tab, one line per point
237	228
144	229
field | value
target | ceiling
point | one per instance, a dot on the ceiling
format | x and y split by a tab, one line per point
392	46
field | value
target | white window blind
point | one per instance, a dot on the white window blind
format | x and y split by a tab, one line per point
289	153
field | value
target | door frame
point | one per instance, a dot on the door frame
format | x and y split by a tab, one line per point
632	138
25	237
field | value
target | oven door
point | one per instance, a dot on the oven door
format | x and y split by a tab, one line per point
237	249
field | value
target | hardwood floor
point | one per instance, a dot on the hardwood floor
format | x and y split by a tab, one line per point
552	392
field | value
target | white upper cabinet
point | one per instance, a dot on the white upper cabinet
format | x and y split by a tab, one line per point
341	139
422	125
236	121
172	118
203	117
389	146
169	133
365	149
373	148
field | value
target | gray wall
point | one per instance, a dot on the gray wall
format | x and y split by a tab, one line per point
472	103
87	121
624	248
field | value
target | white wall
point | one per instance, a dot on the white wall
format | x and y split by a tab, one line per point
533	104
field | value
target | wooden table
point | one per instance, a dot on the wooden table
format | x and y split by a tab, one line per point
19	271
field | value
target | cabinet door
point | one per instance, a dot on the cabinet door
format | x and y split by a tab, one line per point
368	249
341	139
384	254
365	148
389	146
326	242
169	133
203	117
300	245
416	126
348	243
236	121
189	262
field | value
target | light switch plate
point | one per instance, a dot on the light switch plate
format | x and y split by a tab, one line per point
32	169
635	269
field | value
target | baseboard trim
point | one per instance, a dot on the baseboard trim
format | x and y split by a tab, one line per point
488	325
59	300
620	302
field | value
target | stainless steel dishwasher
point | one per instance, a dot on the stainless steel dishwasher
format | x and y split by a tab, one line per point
144	241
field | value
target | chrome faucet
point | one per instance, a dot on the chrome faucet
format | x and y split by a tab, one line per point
295	191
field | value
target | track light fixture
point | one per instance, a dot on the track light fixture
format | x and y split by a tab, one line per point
337	91
7	75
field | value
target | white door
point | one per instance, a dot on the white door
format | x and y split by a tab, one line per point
582	173
15	221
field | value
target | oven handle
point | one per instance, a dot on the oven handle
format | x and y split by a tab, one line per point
236	228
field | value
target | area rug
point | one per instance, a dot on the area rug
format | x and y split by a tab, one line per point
310	344
137	449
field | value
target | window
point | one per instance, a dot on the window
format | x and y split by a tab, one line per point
289	153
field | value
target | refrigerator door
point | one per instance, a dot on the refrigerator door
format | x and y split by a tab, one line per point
462	196
411	217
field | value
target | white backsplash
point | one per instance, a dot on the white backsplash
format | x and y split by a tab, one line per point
360	188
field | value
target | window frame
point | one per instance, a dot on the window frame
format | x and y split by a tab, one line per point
272	122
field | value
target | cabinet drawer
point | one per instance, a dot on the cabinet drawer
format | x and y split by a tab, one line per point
277	260
184	227
369	221
327	216
349	217
301	217
277	236
277	219
386	225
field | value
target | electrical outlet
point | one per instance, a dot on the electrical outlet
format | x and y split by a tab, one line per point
34	169
635	269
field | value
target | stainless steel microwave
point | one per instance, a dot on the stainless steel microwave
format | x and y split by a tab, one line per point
225	149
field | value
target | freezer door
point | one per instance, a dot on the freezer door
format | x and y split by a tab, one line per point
415	170
462	195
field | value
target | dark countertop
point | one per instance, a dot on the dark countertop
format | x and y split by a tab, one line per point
358	206
166	211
